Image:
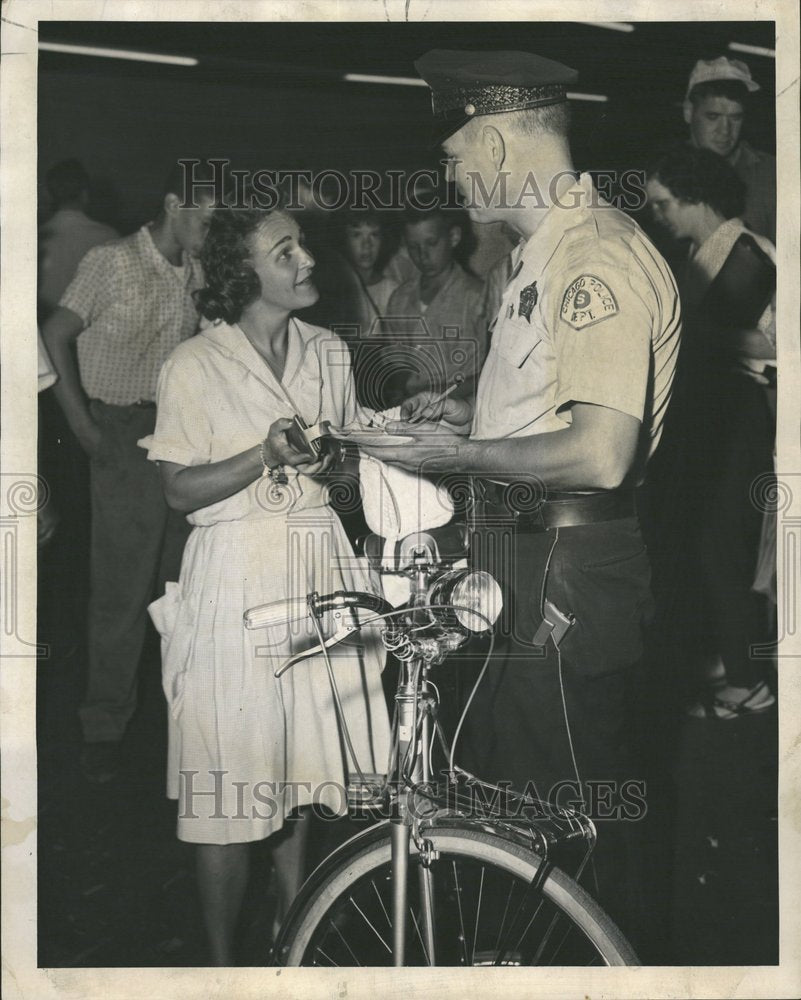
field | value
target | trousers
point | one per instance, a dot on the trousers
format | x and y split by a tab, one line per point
558	721
730	527
136	543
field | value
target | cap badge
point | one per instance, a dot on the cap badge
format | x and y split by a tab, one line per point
528	299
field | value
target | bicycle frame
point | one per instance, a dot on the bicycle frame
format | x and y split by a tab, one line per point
421	641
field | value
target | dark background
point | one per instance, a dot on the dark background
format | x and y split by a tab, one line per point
115	886
271	96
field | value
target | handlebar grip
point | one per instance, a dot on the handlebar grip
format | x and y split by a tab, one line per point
284	612
351	599
295	609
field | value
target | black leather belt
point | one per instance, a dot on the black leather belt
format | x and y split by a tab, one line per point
519	502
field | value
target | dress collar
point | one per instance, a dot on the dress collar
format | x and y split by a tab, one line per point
232	339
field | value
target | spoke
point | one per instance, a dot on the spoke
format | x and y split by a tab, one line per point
505	914
478	915
559	946
545	939
461	918
339	932
369	924
420	936
533	917
328	957
514	923
381	903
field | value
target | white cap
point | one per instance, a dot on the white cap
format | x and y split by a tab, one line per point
721	69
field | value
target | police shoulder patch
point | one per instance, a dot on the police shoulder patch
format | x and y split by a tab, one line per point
588	301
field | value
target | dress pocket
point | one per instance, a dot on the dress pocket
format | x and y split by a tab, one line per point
173	616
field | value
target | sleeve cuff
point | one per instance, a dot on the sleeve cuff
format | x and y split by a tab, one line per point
590	394
161	451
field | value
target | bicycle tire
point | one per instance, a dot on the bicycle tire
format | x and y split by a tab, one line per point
336	921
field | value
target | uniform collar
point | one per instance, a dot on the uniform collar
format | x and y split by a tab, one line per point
574	201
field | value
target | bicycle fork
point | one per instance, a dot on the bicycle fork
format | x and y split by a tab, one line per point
401	830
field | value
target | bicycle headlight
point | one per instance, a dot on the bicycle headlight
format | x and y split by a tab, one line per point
463	589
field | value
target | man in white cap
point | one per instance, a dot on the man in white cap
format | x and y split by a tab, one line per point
714	107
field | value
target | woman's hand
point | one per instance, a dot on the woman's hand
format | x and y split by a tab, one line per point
278	449
280	452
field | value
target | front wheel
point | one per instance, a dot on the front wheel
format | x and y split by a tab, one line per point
488	908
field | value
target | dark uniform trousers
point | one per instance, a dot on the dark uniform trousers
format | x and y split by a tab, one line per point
136	543
559	722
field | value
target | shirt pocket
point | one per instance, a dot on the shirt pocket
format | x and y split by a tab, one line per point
517	341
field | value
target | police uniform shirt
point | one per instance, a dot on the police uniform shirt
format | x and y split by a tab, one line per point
590	315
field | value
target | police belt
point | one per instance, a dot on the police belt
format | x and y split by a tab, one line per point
519	502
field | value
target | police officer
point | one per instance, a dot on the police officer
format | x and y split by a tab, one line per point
569	407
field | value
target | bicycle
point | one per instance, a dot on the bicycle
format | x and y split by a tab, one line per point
464	875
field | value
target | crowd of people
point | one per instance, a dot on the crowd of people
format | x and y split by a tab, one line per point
574	361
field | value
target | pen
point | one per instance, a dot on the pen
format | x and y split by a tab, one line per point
457	381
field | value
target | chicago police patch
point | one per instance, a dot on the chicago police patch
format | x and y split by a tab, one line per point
587	301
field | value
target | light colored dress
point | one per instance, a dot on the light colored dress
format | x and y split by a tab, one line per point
245	747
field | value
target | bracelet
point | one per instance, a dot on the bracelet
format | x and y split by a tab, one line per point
275	473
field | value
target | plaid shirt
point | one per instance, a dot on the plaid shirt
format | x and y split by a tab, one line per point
136	308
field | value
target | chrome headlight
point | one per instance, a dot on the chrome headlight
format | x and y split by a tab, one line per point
465	591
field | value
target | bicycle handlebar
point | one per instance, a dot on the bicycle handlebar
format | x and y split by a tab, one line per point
295	609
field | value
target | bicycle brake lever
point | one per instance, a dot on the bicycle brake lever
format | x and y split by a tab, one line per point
341	633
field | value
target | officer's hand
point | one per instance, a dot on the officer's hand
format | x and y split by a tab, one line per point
425	406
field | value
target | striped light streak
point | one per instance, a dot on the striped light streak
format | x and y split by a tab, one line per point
90	50
752	50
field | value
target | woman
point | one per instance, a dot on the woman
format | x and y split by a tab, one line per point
245	749
725	406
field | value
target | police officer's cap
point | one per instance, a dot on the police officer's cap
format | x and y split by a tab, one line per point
466	84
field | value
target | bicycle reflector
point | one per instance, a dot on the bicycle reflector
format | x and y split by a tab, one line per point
465	591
